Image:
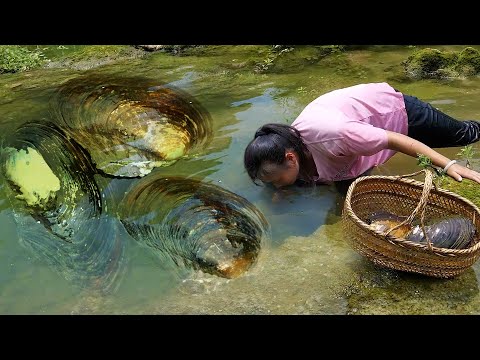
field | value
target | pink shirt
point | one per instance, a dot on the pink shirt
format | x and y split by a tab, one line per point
345	129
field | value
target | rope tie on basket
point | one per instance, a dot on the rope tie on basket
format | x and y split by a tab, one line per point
428	184
415	174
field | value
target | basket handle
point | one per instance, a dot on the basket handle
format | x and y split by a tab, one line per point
427	186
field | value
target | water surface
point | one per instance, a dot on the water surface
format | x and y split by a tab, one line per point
305	267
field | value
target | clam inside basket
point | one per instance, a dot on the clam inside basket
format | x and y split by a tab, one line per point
416	204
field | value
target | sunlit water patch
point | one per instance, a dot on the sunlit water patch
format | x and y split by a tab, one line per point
443	102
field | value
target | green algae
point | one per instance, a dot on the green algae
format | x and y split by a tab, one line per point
442	64
466	188
29	172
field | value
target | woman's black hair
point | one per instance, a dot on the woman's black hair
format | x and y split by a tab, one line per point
269	144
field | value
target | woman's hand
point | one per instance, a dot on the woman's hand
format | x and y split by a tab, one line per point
412	147
458	172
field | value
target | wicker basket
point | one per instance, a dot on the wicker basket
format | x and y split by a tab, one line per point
413	199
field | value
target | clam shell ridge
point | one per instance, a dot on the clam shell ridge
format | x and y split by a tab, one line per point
128	125
58	206
453	233
195	224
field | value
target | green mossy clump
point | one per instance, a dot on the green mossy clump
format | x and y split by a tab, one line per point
432	63
466	188
14	58
381	291
426	63
468	62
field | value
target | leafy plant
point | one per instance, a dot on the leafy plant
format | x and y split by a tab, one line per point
425	162
14	58
467	153
302	90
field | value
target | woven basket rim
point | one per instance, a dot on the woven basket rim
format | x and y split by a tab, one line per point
403	241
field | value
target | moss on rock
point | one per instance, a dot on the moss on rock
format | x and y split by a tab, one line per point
96	55
469	61
426	63
466	188
432	63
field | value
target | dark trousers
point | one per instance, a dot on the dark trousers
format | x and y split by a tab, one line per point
436	129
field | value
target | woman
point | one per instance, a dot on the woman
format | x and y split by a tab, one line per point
345	133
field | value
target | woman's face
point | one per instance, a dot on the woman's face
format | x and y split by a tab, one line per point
283	174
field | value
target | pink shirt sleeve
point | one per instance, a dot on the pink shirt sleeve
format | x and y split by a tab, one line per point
360	138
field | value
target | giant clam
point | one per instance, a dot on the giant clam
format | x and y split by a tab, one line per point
58	206
453	232
130	126
195	224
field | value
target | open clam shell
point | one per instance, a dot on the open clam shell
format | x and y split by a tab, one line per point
453	232
58	206
128	125
195	224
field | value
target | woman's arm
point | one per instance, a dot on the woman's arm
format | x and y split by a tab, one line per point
412	147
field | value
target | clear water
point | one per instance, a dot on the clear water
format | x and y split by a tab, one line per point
305	267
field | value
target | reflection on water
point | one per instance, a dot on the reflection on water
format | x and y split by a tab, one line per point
442	102
307	266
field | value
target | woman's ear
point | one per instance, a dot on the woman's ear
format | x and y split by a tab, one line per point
290	157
